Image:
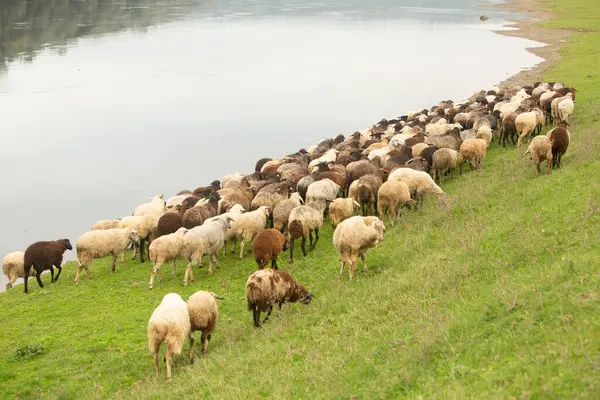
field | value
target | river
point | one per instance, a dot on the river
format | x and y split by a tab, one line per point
104	104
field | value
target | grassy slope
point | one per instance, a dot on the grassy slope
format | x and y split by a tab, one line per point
498	296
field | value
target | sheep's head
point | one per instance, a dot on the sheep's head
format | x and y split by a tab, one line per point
216	184
66	244
302	295
134	236
216	296
354	203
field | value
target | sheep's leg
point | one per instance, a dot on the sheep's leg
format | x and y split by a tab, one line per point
292	250
191	337
156	361
242	249
303	245
173	270
362	257
460	167
205	339
224	248
188	273
316	237
256	315
342	268
26	279
268	314
352	269
274	263
548	167
79	268
114	267
169	360
310	240
135	248
51	274
537	169
234	242
212	258
142	246
122	256
154	272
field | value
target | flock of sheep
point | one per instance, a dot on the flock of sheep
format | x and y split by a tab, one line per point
377	171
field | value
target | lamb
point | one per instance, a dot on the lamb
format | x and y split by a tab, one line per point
196	215
43	256
420	184
324	189
282	211
170	324
303	221
247	225
154	207
473	151
392	195
368	186
560	138
146	227
354	237
98	244
267	287
12	267
540	149
526	123
444	161
204	239
341	209
106	224
266	247
204	312
428	152
164	249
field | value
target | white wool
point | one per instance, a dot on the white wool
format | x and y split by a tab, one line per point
325	189
328	157
154	207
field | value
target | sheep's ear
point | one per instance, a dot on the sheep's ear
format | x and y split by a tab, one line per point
216	296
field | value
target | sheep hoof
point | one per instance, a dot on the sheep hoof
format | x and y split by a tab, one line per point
150	287
76	282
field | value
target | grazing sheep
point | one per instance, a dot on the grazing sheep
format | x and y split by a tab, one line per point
302	222
485	132
540	149
196	215
169	223
268	287
418	164
428	152
392	195
368	185
353	190
98	244
560	138
417	148
106	224
281	212
420	184
526	123
473	151
303	184
204	312
325	189
271	195
354	237
43	256
207	239
146	227
444	161
170	324
508	128
359	168
329	156
247	225
154	207
341	209
565	108
266	247
164	249
12	267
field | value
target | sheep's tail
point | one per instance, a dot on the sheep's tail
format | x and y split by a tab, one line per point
363	193
296	229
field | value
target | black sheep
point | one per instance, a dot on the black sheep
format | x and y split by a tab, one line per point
559	137
43	256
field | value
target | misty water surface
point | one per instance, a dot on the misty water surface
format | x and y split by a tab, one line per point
105	104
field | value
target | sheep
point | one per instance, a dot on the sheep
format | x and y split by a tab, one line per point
473	151
368	186
204	239
271	195
176	200
450	140
196	215
232	180
341	209
106	224
392	195
508	128
560	138
418	164
427	153
204	312
485	132
540	149
260	163
354	237
169	223
302	222
565	108
329	156
444	161
353	190
266	247
164	249
205	191
12	267
526	123
170	324
98	244
324	189
247	225
281	212
420	184
43	256
233	213
267	287
417	148
154	207
339	179
232	196
303	184
146	227
359	168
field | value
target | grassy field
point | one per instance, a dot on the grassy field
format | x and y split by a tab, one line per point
498	296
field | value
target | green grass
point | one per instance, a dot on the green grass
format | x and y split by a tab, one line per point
499	296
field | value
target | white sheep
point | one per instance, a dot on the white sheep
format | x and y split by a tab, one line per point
164	249
328	157
392	195
325	189
282	211
565	109
341	209
155	207
419	183
13	267
170	324
100	243
204	312
303	221
473	151
146	227
206	239
235	211
106	224
247	225
526	123
176	200
484	132
540	149
354	236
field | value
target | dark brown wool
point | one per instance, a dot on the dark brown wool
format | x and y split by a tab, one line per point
266	247
197	215
559	137
169	223
43	256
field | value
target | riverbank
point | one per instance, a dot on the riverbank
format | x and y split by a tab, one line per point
496	297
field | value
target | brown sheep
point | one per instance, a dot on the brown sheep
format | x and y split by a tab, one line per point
204	191
196	216
427	153
368	186
169	223
266	247
359	168
560	138
43	256
508	128
268	287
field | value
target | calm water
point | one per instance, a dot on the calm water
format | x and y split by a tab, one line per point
104	104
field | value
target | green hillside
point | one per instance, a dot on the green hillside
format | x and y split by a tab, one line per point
498	296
